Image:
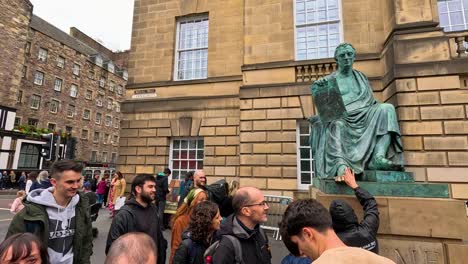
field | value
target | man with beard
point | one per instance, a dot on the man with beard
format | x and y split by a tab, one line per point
139	214
199	181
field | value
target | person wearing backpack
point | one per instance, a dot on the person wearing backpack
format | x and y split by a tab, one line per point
205	219
139	214
241	238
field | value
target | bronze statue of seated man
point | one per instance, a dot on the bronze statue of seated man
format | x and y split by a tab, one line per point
352	129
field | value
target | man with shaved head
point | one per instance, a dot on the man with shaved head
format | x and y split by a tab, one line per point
132	248
243	229
199	181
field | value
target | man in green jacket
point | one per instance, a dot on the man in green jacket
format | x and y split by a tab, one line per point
59	216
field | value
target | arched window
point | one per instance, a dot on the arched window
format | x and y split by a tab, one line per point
29	156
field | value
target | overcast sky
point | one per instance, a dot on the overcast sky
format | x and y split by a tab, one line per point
109	21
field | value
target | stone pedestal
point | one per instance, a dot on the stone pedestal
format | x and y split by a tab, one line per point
386	183
412	230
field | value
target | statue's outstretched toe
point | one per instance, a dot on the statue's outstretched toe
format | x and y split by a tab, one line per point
381	163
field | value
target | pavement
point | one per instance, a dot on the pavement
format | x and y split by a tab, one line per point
103	223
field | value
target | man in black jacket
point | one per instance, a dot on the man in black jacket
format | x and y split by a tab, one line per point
139	214
162	189
345	221
244	225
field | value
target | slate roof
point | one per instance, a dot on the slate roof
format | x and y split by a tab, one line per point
50	30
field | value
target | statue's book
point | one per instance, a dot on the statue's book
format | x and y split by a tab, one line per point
328	101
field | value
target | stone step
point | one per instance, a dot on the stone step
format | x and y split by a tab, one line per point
386	176
400	189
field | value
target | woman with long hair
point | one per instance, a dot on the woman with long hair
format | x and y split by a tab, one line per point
117	190
205	219
181	219
23	248
42	182
32	178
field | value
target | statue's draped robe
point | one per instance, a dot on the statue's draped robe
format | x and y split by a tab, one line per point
350	140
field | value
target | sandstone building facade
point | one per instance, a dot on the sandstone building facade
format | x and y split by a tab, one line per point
68	83
236	75
224	86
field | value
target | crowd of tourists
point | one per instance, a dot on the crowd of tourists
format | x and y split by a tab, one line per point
218	223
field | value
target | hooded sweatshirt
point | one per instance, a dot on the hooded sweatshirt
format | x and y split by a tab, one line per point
347	227
62	224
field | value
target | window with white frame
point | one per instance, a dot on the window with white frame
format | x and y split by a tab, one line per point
94	156
110	103
113	157
453	14
116	122
186	155
99	100
42	54
106	138
60	62
54	106
17	121
104	156
96	137
120	89
71	111
27	47
74	90
98	118
115	140
76	69
117	107
102	82
89	94
99	61
58	84
84	134
35	101
305	162
33	122
51	126
110	67
24	72
86	114
192	48
39	78
19	96
318	28
111	86
108	120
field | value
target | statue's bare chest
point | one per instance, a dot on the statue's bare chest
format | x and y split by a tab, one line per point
349	87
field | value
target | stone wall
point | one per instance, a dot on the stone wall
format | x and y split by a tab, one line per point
154	30
409	61
146	136
14	24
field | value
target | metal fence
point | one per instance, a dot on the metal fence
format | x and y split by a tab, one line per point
277	206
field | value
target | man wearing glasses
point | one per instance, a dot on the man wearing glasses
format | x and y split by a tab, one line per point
242	239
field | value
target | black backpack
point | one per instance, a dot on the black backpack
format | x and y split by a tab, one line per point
217	191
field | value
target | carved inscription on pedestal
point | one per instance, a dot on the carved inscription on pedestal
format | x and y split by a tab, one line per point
412	252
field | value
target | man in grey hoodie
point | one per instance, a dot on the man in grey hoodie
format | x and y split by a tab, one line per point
59	216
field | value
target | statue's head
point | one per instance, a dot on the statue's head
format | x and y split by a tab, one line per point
345	55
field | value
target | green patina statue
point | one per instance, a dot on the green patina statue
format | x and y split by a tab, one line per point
352	129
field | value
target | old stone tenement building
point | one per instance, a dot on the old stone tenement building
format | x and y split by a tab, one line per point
69	83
